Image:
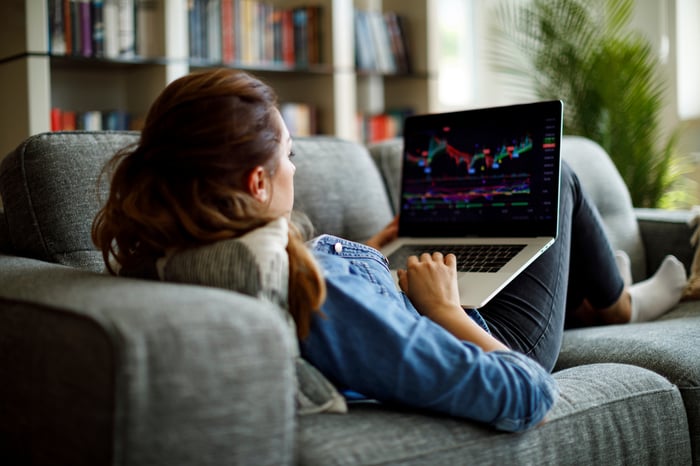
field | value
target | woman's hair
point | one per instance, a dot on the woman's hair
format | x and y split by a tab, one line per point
184	184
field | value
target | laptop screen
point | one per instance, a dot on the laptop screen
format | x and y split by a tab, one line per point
492	171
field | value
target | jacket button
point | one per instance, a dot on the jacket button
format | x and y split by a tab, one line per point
338	248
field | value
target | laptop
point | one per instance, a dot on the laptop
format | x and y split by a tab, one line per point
479	180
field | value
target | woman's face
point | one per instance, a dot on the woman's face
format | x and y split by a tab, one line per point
282	180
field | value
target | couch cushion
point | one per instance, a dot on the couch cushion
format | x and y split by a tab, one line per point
194	375
607	414
668	346
339	188
48	187
609	193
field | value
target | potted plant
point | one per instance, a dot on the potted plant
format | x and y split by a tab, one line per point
585	53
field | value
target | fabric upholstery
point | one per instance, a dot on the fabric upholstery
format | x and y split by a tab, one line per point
121	371
666	232
668	346
605	186
323	193
48	187
195	375
607	414
255	264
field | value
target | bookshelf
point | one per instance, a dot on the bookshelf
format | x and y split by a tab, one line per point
34	78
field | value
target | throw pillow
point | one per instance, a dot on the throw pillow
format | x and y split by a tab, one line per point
255	264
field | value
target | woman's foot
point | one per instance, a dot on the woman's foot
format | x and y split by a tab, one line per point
642	301
659	293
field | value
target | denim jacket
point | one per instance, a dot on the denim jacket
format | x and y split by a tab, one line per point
373	341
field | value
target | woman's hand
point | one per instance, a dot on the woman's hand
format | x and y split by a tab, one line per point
387	234
430	282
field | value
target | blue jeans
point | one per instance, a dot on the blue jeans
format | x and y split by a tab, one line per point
530	314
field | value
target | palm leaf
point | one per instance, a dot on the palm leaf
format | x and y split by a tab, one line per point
583	52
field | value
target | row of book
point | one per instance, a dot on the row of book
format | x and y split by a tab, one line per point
106	28
254	32
381	43
70	120
300	118
378	127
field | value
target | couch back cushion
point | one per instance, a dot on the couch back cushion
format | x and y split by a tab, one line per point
605	186
597	173
339	188
49	193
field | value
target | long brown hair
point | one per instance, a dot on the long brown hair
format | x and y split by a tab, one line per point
184	183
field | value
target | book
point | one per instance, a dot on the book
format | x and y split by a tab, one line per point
365	59
126	32
57	39
75	27
399	41
300	118
227	34
214	33
98	30
67	27
381	43
85	19
149	38
110	20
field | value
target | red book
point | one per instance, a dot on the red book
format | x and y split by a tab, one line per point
227	36
69	121
67	27
56	119
288	37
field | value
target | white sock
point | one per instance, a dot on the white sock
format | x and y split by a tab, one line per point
624	265
659	293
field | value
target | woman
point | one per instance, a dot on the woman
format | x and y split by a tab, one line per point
214	166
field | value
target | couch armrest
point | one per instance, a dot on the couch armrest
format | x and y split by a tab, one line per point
666	232
151	373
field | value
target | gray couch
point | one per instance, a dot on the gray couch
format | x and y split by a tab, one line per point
96	369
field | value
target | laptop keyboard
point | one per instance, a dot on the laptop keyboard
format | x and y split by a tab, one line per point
470	258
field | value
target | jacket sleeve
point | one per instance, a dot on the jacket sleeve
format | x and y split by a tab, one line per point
372	341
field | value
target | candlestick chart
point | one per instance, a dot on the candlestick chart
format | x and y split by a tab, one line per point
445	173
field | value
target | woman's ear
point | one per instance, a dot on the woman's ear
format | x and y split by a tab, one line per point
258	184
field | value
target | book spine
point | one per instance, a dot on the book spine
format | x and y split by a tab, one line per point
57	41
85	15
288	56
110	19
126	33
67	27
98	28
214	37
149	31
227	35
301	43
75	27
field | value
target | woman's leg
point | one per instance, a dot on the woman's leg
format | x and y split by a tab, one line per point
529	314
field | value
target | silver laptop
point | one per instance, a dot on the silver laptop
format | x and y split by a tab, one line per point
483	184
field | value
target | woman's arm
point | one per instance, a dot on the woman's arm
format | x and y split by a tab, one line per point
387	234
430	282
371	340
